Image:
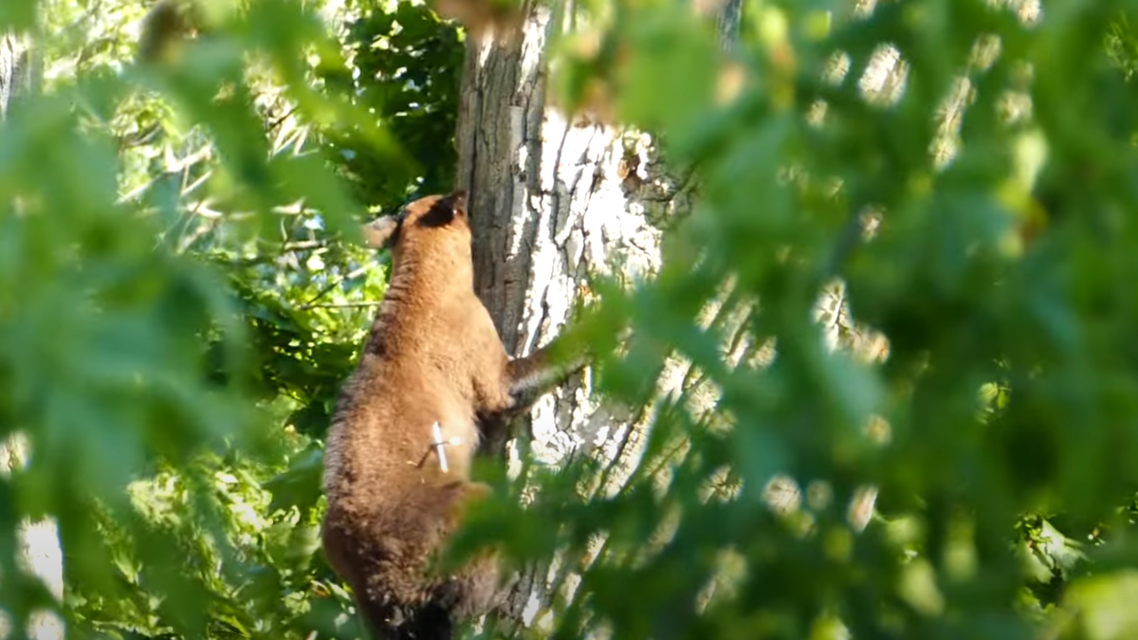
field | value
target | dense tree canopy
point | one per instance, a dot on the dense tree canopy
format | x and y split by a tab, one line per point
182	291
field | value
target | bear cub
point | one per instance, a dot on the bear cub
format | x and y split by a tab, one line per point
407	423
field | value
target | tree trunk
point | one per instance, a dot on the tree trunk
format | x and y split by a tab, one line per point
17	71
39	550
553	198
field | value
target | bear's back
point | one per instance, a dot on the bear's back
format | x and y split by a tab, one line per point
395	482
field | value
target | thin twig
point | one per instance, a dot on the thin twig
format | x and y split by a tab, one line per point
301	245
341	305
284	116
323	292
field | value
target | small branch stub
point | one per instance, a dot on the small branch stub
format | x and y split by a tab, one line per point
437	447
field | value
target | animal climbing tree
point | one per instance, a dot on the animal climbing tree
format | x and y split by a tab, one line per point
181	294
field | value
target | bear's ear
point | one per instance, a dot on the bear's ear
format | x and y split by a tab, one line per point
456	202
381	232
444	210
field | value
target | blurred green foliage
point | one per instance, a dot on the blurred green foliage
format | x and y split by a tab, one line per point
180	301
180	297
406	66
1000	275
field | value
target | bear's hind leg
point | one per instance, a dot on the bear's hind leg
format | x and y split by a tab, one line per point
474	588
406	596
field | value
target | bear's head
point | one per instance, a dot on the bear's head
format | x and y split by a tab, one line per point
431	220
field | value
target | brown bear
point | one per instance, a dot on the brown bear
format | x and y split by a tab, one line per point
406	426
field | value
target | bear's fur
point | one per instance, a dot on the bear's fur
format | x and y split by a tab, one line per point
432	356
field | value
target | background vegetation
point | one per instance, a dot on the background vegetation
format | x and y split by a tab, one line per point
178	226
181	294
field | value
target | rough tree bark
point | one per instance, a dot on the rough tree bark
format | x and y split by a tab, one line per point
555	197
39	550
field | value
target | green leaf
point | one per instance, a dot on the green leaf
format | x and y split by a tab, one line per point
18	15
300	485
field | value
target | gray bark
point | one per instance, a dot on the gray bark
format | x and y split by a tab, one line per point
18	75
547	208
555	197
39	550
